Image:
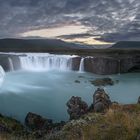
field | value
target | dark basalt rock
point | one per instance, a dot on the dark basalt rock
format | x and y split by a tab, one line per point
77	81
4	129
130	64
76	107
40	126
76	63
102	82
37	122
101	65
105	65
6	64
101	101
138	100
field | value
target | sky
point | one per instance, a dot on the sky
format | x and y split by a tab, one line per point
84	21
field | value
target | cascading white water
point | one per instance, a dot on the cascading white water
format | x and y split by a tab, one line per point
81	67
11	64
2	74
46	61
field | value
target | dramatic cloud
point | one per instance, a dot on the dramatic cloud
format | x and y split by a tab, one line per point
112	20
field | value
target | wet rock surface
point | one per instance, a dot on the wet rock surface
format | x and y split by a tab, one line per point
106	65
102	65
9	62
76	63
77	81
37	122
102	82
101	100
76	107
40	126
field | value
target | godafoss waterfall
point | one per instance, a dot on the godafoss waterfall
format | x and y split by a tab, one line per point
42	83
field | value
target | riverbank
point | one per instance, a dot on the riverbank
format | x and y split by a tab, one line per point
103	120
119	122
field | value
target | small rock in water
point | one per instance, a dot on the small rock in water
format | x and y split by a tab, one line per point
76	107
77	81
102	82
101	101
81	76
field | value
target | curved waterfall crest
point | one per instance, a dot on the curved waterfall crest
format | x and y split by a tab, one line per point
33	61
44	62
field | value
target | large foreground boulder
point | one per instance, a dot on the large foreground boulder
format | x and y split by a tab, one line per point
76	107
40	125
101	100
37	122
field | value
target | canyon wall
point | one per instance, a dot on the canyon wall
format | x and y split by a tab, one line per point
103	65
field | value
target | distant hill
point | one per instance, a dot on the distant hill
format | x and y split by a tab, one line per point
127	44
36	45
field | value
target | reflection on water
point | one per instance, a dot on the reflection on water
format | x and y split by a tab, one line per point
46	93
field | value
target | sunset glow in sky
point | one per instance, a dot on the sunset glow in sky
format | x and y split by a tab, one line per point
57	32
89	22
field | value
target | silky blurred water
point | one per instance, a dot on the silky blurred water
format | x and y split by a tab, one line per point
46	92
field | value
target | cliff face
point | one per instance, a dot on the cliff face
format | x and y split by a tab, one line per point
103	65
130	64
9	62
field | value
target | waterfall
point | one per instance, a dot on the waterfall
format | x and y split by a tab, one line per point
81	67
11	64
2	74
34	61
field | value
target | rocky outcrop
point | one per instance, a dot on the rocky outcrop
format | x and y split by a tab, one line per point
37	122
130	64
9	62
76	107
101	65
102	82
40	125
4	129
76	63
10	126
105	65
101	101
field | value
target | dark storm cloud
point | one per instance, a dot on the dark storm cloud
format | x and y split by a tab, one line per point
113	20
